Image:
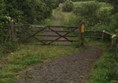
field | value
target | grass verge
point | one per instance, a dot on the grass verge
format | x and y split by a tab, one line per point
26	56
105	69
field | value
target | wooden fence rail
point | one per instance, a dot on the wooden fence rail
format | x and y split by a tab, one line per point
46	34
13	32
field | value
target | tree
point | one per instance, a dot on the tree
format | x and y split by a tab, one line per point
26	10
29	11
1	10
51	3
113	2
1	6
61	1
67	6
88	12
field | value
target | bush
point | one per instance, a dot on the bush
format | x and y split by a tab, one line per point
28	11
67	6
105	70
114	22
8	47
100	27
61	1
88	12
73	20
103	16
87	9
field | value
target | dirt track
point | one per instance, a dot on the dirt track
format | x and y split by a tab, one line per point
68	69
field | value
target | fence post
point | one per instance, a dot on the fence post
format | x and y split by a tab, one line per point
113	40
12	31
103	33
82	31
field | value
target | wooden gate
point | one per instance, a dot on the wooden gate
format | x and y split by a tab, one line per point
47	35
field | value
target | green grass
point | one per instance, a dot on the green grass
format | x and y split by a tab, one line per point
26	56
69	18
102	4
60	18
79	3
105	69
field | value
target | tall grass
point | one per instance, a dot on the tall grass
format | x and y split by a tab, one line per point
105	69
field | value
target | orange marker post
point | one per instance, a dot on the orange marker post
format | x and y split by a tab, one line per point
82	31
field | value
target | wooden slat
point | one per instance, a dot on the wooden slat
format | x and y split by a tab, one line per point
61	36
58	40
59	31
63	26
34	33
55	36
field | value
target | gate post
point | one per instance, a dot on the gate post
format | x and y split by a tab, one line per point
12	31
103	34
82	31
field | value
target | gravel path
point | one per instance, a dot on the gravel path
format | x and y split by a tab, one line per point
68	69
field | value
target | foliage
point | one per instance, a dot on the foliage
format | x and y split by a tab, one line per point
113	2
28	11
8	47
33	11
114	22
71	19
105	69
103	16
1	13
100	27
1	6
82	0
24	11
57	15
88	12
52	4
61	1
97	15
67	6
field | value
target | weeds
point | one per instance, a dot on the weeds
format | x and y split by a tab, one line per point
8	47
106	68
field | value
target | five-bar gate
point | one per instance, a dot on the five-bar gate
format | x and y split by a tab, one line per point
47	35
